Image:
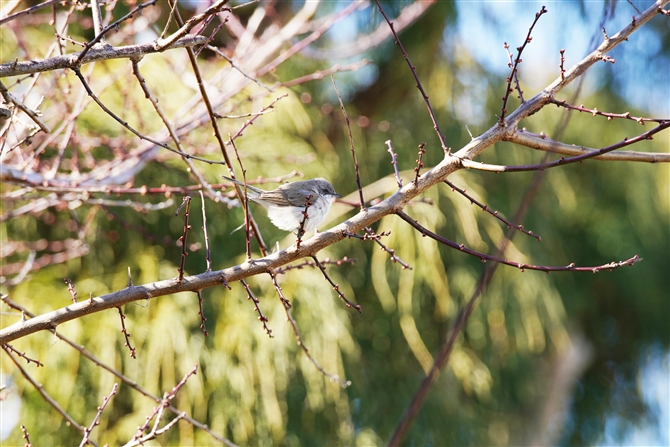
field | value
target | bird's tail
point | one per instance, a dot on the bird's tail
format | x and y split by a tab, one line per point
254	192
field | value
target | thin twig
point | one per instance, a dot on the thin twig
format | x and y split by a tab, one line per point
257	308
515	75
419	163
609	116
336	287
182	238
70	288
131	383
50	400
23	355
515	66
164	43
100	33
131	129
372	236
238	68
201	312
126	334
35	116
245	200
433	118
28	11
307	263
26	436
172	131
138	438
320	74
495	214
305	216
96	419
560	66
252	119
394	162
391	252
351	144
520	265
296	332
208	255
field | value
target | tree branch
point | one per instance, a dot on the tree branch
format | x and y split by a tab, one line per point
543	143
17	68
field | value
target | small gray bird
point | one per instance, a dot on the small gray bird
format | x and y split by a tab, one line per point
286	204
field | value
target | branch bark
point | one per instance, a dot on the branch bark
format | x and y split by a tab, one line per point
101	53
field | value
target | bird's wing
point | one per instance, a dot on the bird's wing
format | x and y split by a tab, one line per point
298	197
275	197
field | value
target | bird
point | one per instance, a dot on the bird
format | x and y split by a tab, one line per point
286	204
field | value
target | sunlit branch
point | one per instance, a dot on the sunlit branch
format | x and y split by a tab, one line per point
163	43
469	164
100	32
356	223
394	162
17	68
208	254
543	143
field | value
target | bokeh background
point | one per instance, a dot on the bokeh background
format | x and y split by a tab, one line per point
566	358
